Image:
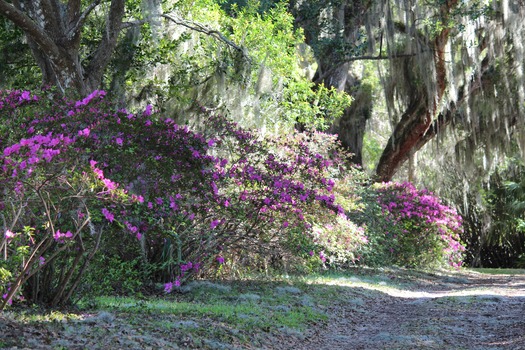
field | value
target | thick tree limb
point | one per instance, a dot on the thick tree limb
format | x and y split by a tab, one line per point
73	11
30	28
107	45
471	88
412	132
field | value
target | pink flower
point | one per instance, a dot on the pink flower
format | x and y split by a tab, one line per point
147	111
84	132
59	236
168	287
9	302
99	173
107	214
26	95
110	185
9	235
136	198
220	260
214	224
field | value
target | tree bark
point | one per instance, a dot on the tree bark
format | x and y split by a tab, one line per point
53	31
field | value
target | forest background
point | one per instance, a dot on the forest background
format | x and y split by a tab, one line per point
225	163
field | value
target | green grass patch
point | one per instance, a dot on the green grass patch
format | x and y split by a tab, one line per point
241	305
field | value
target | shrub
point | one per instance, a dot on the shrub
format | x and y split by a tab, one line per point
411	227
80	174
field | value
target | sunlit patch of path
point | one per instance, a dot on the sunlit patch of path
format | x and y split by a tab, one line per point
464	311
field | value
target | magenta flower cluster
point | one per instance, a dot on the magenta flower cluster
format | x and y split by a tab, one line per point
419	218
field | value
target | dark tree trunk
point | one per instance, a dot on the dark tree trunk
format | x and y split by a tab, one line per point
344	18
53	30
351	126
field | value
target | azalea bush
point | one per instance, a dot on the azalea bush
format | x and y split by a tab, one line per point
80	176
411	228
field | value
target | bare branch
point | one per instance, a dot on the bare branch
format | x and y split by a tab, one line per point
380	56
198	27
126	25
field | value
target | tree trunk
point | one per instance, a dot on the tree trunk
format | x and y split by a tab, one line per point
351	126
415	125
53	31
345	19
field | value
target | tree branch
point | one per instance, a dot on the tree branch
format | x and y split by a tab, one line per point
126	25
73	11
205	30
82	18
107	45
30	28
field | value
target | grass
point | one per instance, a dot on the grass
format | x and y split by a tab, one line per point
203	315
241	315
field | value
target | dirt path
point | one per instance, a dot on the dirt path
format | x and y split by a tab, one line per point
385	309
467	311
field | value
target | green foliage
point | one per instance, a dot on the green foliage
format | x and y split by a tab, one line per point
263	83
372	150
17	67
110	275
500	209
314	106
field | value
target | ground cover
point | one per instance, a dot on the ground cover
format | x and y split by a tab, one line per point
363	309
